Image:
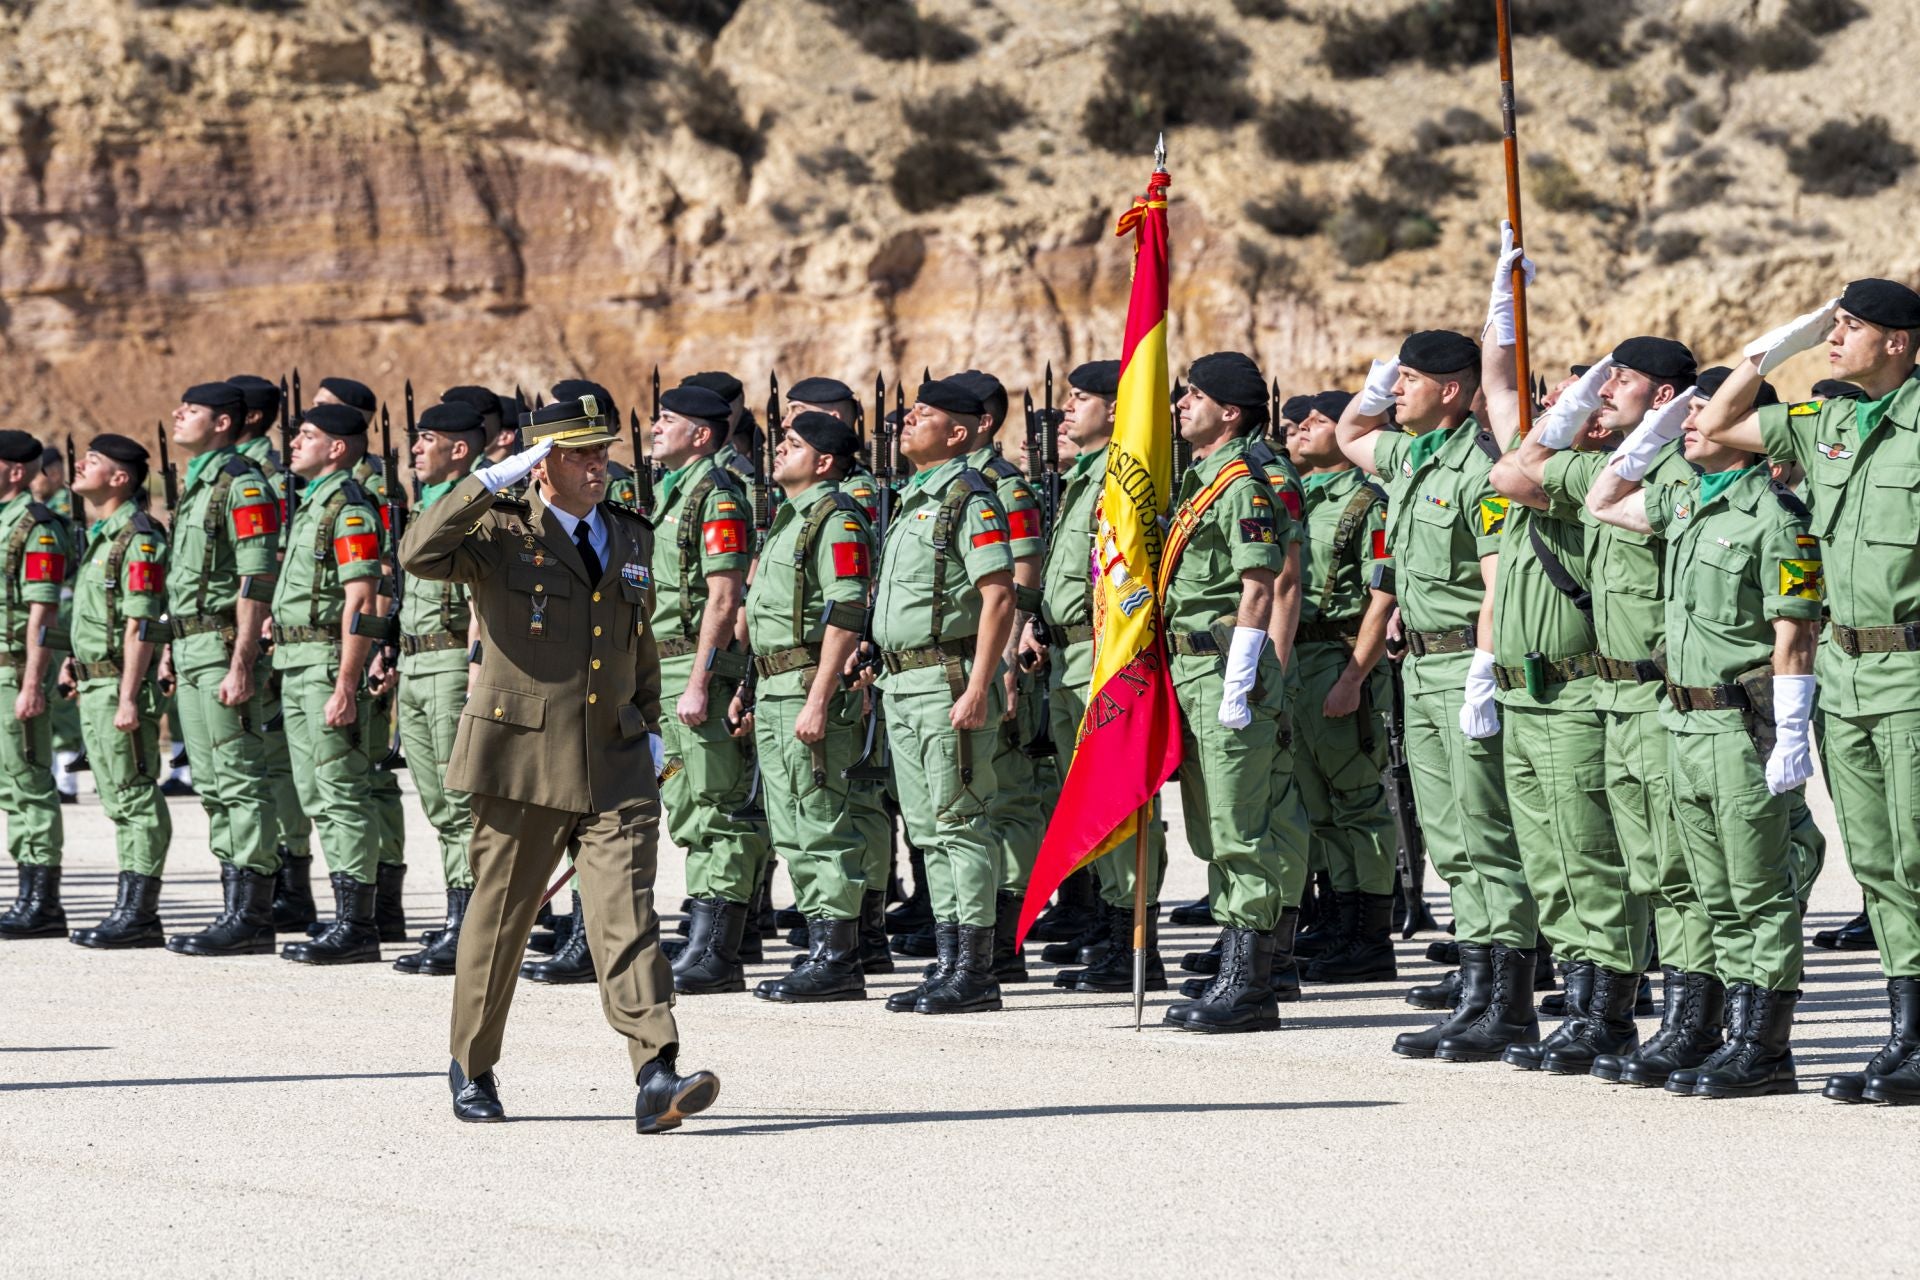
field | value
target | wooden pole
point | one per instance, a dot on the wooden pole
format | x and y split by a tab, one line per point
1510	141
1140	911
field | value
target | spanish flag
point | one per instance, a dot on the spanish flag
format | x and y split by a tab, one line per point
1129	741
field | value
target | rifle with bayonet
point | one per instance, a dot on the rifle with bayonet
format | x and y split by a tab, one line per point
290	412
753	809
1044	458
170	478
1410	846
1182	451
884	448
393	514
642	468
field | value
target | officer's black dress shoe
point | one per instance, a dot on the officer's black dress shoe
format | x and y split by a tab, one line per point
476	1101
1855	935
665	1098
1187	914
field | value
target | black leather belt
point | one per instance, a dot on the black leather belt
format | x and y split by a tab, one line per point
1716	697
1324	631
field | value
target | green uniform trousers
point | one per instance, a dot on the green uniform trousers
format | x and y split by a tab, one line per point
293	830
1460	791
389	813
1115	871
228	751
810	814
1241	805
35	833
1872	765
64	715
1640	798
1809	844
725	854
946	815
1737	841
126	771
1338	763
333	768
1018	805
430	705
1556	765
868	802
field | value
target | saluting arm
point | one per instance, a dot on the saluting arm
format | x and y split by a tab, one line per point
443	543
1619	501
1365	417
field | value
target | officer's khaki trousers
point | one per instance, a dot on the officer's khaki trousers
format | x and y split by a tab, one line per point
515	850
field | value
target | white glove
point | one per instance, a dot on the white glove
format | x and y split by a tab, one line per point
1377	396
515	469
1480	714
1656	430
1243	660
1559	425
1792	760
1803	333
1500	304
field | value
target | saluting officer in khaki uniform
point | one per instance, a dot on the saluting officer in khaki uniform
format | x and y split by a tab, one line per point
558	746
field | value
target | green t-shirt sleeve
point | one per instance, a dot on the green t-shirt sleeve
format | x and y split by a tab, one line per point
1664	502
253	518
1487	517
1389	451
1570	474
1247	517
44	561
356	543
1788	431
1023	519
725	536
143	576
843	559
1790	571
982	538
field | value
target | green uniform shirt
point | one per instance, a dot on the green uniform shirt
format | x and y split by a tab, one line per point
1443	517
717	538
432	607
906	601
837	568
1289	492
1531	615
330	544
259	451
1339	588
102	602
226	528
1239	531
1864	490
861	486
1066	576
1025	539
38	547
1737	559
1628	569
621	487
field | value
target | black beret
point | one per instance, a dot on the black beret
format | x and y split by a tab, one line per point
820	391
1709	381
896	418
1230	378
120	449
1332	403
826	433
702	403
1660	358
1887	303
991	391
575	388
357	395
949	395
221	397
1097	378
482	400
257	391
508	407
1578	370
1834	389
1439	351
18	446
50	457
336	420
1297	408
724	385
450	417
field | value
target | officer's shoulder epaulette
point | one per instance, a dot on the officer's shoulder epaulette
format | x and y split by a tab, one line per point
1260	453
144	523
356	493
622	510
510	506
973	480
41	513
239	466
1805	409
1789	500
1000	469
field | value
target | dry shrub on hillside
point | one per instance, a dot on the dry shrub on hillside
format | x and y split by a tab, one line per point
933	173
1289	213
1305	130
898	32
1368	228
1843	158
1166	69
978	114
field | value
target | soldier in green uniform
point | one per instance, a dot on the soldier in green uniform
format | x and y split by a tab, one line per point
943	610
36	549
51	488
1743	618
805	617
1224	551
1862	461
1340	695
1063	636
435	631
118	593
699	573
1444	526
225	536
326	623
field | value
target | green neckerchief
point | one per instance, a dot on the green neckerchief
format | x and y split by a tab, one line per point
432	493
1321	479
669	482
198	464
1428	443
1718	482
1084	463
1868	414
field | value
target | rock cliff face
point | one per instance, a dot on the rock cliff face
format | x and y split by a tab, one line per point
463	190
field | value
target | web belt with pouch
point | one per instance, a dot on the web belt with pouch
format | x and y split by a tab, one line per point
1750	693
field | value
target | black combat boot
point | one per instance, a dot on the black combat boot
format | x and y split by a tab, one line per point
293	906
571	961
1367	954
1474	982
134	920
711	965
1903	1000
352	938
946	941
791	919
1608	1027
916	912
389	907
1528	1055
1855	935
1076	906
666	1098
1444	994
1207	961
1447	952
1088	946
1115	970
1331	919
831	970
1694	1038
970	987
1286	967
1739	1007
37	912
1676	998
1009	961
440	954
1543	968
1762	1064
1240	997
1508	1018
245	928
1187	915
875	955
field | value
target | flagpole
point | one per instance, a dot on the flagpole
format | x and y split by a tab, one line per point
1140	912
1503	29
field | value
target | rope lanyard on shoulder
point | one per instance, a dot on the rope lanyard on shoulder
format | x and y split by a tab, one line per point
1351	520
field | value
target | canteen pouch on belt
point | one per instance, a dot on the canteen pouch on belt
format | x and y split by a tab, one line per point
1758	713
1535	668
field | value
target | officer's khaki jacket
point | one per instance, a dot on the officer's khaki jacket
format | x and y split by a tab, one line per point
569	683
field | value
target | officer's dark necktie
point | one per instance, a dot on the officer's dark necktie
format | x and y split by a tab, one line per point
583	539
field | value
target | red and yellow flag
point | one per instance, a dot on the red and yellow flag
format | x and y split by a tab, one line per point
1129	741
